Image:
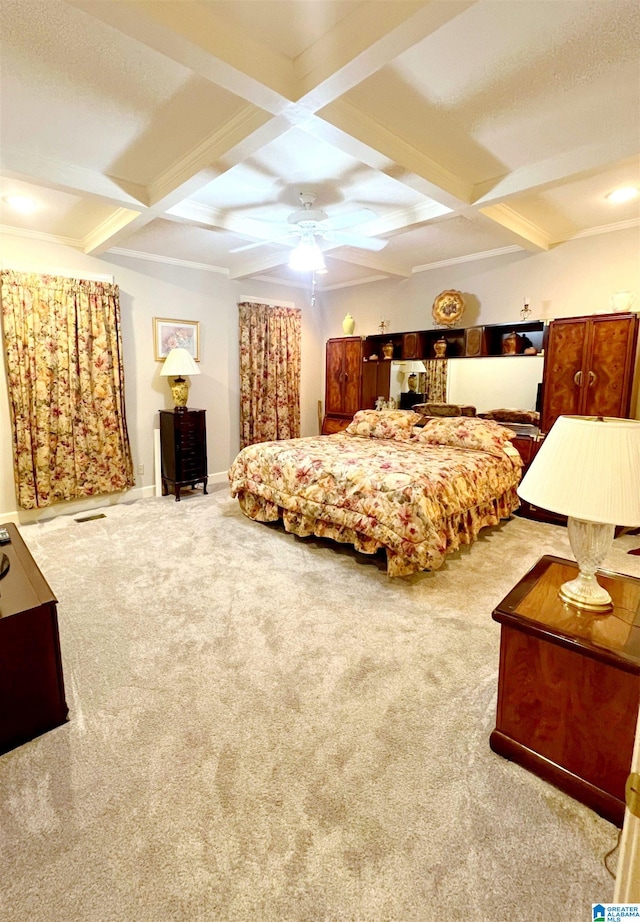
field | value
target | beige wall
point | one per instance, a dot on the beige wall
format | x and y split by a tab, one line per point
152	289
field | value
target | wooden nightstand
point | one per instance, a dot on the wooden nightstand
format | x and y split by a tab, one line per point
569	685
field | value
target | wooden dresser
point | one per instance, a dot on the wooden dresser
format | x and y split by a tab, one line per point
32	698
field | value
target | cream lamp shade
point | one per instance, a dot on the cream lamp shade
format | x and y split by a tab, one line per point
588	468
177	364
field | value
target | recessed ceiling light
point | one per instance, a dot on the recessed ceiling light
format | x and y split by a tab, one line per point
624	194
21	203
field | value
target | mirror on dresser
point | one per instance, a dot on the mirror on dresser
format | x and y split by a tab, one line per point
487	383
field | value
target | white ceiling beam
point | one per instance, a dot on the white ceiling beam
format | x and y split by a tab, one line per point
547	173
213	219
371	261
244	133
113	230
352	283
443	186
239	137
203	43
404	218
66	177
256	266
526	233
370	38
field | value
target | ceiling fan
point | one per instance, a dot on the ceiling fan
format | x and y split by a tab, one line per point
308	223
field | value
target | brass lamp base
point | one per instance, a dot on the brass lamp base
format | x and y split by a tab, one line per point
588	599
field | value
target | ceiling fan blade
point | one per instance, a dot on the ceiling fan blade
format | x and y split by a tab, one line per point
351	218
356	240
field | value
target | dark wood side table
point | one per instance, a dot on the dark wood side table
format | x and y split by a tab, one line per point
183	449
569	685
32	697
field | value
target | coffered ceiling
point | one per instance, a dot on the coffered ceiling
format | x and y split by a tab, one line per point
184	130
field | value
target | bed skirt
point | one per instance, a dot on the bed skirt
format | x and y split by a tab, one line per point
403	557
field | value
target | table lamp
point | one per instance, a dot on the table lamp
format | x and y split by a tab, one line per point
588	468
178	363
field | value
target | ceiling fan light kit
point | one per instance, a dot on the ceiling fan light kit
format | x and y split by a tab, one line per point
312	224
307	256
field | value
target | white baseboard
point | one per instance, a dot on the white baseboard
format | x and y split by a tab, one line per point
28	516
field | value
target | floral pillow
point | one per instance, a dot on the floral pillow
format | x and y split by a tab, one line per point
384	424
529	417
466	432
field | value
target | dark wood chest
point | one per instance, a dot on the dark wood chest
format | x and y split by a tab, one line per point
183	448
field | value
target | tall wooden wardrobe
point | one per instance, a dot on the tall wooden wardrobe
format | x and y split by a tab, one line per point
589	365
343	389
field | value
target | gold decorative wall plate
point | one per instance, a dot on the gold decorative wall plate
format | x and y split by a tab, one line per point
448	307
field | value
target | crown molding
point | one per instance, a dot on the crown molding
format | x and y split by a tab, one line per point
169	260
39	235
457	260
603	229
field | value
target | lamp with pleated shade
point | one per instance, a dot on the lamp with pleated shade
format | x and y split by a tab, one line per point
588	468
177	364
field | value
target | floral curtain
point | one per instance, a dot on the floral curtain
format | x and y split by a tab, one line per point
63	349
269	373
436	380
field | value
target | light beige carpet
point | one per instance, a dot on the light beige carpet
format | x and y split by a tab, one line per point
269	729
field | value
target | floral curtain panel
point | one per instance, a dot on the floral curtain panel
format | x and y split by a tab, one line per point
269	373
436	380
63	349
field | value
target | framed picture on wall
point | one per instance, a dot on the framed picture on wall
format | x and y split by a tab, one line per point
173	334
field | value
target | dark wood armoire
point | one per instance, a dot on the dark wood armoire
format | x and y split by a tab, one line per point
343	387
589	366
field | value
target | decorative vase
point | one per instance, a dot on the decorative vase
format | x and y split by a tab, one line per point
348	325
622	300
180	392
412	381
387	350
440	348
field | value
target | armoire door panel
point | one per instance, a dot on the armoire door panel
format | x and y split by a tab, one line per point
334	379
564	378
343	376
353	375
608	375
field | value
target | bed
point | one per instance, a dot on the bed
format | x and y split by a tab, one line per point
417	492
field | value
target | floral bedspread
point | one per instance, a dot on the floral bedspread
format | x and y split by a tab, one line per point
418	501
